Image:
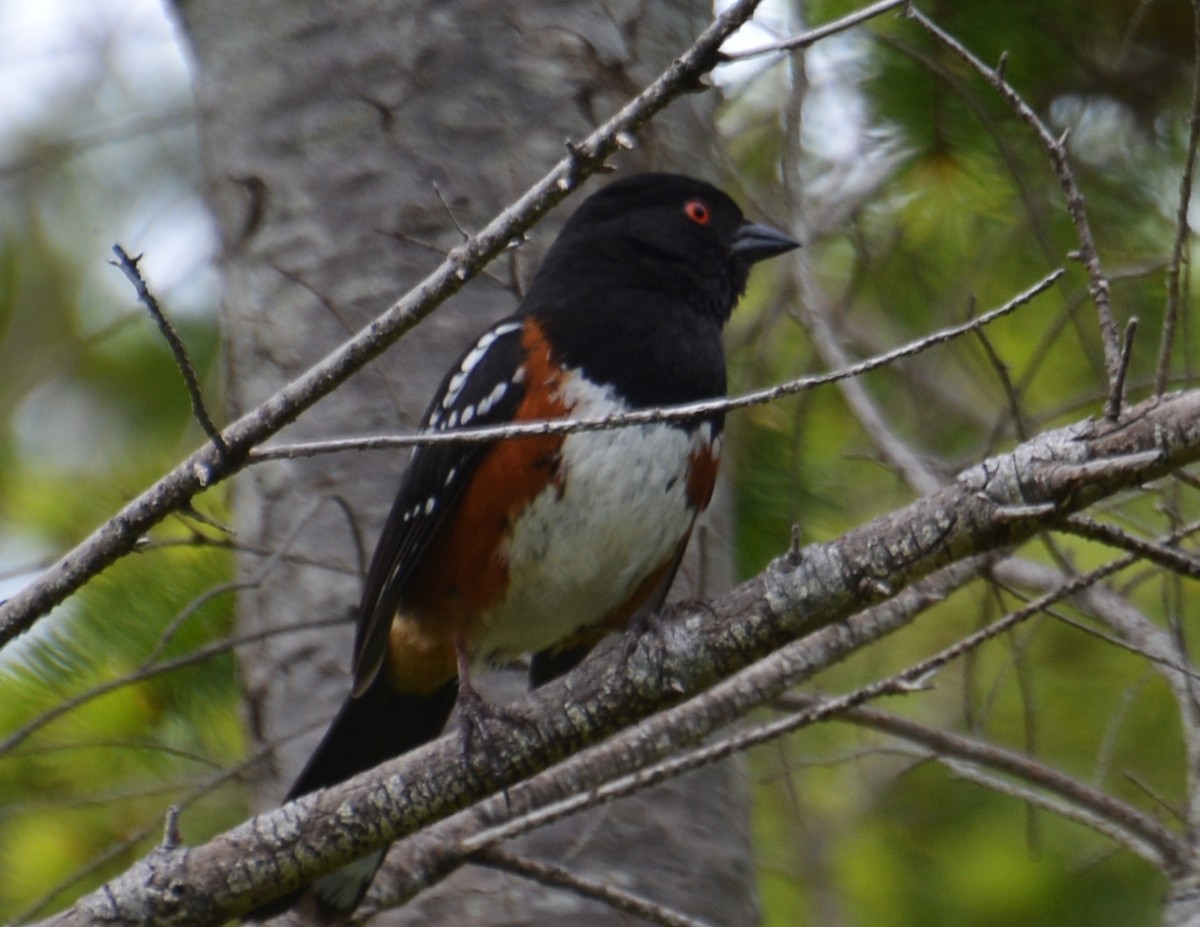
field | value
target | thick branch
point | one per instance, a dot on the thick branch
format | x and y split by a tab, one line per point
994	505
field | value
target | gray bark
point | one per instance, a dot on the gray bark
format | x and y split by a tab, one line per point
714	662
325	129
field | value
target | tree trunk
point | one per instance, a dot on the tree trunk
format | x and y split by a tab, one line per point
342	143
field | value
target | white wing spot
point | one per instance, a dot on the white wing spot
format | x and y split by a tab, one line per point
474	356
468	414
430	505
493	397
450	476
452	390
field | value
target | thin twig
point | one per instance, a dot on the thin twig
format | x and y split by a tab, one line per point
894	451
462	232
1158	659
1071	811
684	412
812	36
559	877
1183	231
1098	284
1172	558
1010	391
129	267
946	745
1118	387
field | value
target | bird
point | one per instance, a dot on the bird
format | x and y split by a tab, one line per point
542	545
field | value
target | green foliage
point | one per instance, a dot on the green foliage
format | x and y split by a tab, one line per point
102	772
96	741
855	826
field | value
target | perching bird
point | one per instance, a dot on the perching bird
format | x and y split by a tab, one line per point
542	545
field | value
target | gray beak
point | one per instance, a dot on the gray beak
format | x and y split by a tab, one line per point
754	241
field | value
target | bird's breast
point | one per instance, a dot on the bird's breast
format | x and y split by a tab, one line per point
620	503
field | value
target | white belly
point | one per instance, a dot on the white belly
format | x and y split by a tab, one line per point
581	548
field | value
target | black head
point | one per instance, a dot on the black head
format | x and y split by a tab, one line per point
666	233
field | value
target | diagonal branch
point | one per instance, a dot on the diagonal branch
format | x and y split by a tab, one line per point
990	507
1127	825
208	466
553	876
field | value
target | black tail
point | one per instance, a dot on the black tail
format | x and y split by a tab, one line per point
378	725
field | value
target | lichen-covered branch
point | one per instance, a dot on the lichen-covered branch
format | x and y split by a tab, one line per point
989	507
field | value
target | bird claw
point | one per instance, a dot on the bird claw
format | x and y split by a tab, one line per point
646	628
476	713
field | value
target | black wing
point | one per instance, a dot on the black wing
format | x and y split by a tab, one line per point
483	388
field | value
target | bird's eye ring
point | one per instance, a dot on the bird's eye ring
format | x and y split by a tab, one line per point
698	211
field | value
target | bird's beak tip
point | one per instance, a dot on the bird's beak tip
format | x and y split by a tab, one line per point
755	241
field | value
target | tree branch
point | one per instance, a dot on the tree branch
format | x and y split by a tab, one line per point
1120	821
998	503
208	466
129	267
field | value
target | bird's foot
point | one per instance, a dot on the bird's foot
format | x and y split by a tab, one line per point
649	630
476	713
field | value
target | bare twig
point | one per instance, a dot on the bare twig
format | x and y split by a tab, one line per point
1172	558
462	233
1118	386
684	412
1081	814
1136	632
893	450
1146	831
1010	391
1098	284
1183	231
558	877
129	267
812	36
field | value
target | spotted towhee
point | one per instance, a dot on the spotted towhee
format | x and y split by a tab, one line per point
542	545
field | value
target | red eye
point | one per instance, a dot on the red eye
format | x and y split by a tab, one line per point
698	211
